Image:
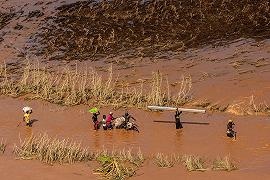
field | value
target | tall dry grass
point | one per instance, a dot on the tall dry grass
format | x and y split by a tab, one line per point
194	163
69	87
224	164
3	146
51	150
118	164
248	106
164	161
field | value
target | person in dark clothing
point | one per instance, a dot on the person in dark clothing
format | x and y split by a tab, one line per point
127	117
95	120
177	119
230	129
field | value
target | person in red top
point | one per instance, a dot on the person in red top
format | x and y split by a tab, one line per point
109	121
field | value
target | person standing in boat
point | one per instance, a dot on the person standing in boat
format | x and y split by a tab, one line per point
178	123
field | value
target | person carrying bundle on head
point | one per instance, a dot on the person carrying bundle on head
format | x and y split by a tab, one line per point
178	123
26	117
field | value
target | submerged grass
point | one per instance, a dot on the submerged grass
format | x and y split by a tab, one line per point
120	165
51	150
4	19
224	164
194	163
115	168
143	28
164	161
3	146
69	87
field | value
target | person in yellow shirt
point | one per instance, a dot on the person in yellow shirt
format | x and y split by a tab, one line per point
26	116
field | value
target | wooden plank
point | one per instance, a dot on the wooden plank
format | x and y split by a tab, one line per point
163	108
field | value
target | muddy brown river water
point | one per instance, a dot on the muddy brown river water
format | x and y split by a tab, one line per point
221	74
250	150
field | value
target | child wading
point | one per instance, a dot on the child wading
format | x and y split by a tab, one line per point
26	117
103	122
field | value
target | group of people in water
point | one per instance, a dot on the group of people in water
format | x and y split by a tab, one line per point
230	125
106	122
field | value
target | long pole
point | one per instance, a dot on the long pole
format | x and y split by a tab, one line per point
174	109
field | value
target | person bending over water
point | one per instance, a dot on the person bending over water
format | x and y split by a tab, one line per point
177	119
230	129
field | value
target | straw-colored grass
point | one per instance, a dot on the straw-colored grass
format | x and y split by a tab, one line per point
114	168
3	146
224	164
69	87
248	106
51	150
164	161
194	163
119	165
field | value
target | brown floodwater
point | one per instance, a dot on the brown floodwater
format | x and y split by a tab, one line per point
250	150
222	74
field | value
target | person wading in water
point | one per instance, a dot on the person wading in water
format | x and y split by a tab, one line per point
95	120
230	129
177	119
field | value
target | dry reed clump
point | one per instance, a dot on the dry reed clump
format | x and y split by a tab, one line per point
224	164
248	106
119	165
113	168
123	155
3	146
50	150
164	161
143	28
194	163
70	87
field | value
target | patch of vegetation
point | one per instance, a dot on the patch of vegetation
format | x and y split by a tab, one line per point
119	165
164	161
224	164
5	18
3	146
194	163
50	150
144	28
69	87
113	168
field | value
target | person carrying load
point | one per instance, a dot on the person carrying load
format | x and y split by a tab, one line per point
26	117
230	129
178	123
